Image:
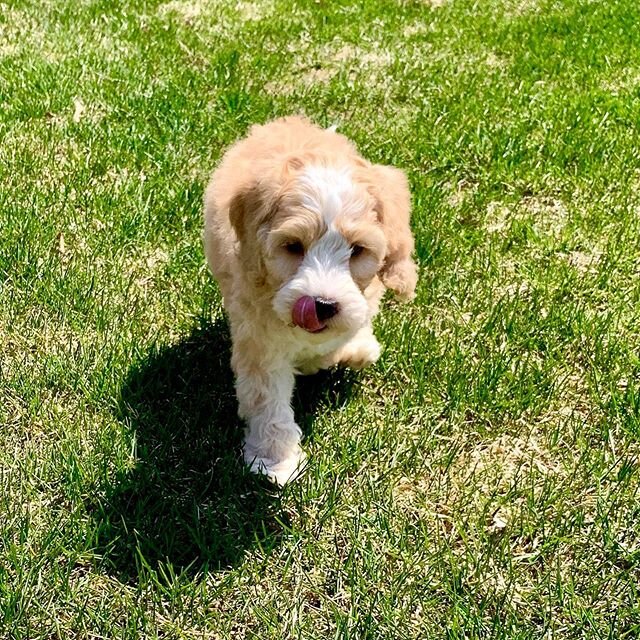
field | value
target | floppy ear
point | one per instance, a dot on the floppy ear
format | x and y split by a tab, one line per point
391	190
254	202
243	203
248	211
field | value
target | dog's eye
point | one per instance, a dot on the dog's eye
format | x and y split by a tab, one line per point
356	250
294	248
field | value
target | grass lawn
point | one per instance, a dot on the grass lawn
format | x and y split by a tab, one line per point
480	481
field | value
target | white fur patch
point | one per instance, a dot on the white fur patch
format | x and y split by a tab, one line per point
331	251
327	190
325	273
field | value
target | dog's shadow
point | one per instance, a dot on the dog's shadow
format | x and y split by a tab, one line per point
188	501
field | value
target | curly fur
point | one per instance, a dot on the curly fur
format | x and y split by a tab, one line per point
290	181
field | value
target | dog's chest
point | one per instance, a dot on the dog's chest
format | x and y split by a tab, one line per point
304	353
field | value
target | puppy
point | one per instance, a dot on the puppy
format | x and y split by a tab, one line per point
304	236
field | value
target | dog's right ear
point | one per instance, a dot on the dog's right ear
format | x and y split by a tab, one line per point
237	208
250	208
247	209
255	202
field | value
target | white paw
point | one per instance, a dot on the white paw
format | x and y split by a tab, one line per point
280	472
361	352
309	368
279	469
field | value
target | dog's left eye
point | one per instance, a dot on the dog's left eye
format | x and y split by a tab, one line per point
356	250
295	248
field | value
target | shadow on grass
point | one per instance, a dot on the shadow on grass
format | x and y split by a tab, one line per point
189	501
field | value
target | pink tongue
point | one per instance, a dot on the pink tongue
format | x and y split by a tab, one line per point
305	316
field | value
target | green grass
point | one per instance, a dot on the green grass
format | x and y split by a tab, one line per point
481	481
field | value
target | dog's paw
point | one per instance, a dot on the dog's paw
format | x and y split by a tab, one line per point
310	367
362	351
279	470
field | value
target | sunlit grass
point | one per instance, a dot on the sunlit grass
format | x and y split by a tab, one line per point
480	481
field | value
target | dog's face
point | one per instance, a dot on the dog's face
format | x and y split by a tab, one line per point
323	248
315	238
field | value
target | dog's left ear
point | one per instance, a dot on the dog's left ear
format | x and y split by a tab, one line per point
391	190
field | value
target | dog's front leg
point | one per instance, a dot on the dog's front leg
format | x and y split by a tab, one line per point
272	437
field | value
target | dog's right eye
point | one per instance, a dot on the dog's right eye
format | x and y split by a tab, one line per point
294	248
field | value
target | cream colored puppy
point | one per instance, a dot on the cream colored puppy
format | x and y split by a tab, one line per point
303	236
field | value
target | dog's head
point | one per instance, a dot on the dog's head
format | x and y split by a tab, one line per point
314	232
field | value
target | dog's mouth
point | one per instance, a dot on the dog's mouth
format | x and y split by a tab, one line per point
305	315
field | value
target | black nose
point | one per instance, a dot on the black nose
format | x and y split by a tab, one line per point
325	309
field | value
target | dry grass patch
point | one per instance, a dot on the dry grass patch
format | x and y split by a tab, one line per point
548	215
584	261
493	467
520	8
625	82
187	11
460	192
215	16
319	65
432	4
